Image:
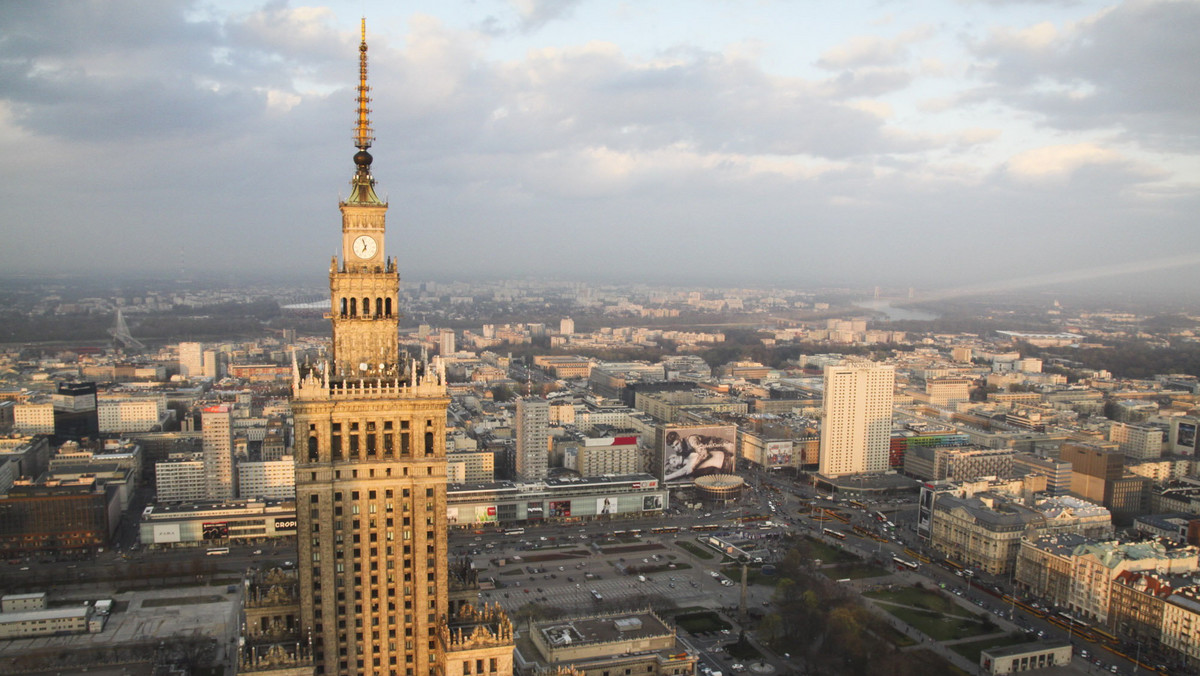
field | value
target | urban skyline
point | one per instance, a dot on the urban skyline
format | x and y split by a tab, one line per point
729	143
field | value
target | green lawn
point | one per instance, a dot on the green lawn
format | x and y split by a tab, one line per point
937	626
854	571
828	553
894	636
971	649
919	598
696	550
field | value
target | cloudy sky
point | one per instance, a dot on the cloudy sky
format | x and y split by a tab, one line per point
730	141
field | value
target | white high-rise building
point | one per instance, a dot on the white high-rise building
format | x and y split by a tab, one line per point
533	437
191	359
181	479
566	326
446	342
130	414
216	434
34	418
857	424
268	479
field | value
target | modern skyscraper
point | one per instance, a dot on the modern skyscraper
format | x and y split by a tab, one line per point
533	437
446	342
857	422
371	475
216	434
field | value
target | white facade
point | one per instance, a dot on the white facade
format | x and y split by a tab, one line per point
268	480
1137	441
476	467
33	418
446	342
181	480
129	415
857	423
533	438
566	326
191	359
216	433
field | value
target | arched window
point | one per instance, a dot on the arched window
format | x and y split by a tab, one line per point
353	307
366	307
387	307
343	307
313	454
378	307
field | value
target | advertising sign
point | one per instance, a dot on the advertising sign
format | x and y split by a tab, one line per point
217	530
691	452
485	514
560	508
1185	435
451	516
651	503
533	510
606	506
779	454
166	532
285	523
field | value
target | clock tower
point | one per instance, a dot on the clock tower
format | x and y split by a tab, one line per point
370	453
365	285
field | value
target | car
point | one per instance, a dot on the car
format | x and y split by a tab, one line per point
257	552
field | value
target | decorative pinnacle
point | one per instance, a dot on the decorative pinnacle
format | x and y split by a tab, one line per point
362	134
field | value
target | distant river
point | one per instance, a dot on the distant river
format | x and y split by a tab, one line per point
895	313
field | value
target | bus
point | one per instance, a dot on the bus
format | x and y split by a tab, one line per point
217	551
665	529
834	533
711	526
902	563
1105	635
515	531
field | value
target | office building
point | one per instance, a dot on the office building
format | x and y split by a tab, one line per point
370	433
446	342
191	360
857	422
216	430
1137	441
533	438
267	479
75	411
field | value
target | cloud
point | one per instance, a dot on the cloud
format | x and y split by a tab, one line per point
1121	68
873	50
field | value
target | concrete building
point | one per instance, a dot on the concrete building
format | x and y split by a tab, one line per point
33	418
474	467
601	455
127	415
636	642
1057	472
1025	657
857	421
962	463
267	479
216	429
1137	441
191	360
209	523
533	438
181	478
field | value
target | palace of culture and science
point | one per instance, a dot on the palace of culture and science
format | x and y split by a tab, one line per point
375	576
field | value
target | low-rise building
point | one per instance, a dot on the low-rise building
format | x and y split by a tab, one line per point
623	643
1025	657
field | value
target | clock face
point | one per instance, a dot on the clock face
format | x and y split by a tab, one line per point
364	246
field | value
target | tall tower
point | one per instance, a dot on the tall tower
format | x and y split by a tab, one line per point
857	422
216	433
371	472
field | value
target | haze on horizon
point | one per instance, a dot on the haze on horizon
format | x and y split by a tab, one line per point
937	144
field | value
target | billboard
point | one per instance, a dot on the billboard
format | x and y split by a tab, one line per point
166	532
778	454
485	514
651	503
1185	435
560	508
451	516
606	506
692	452
533	510
285	523
216	530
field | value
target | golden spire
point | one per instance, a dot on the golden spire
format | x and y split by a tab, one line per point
362	134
